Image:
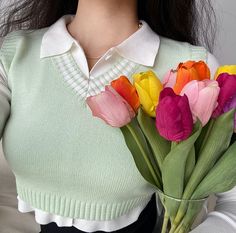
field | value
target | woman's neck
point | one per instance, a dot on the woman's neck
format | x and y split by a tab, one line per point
101	24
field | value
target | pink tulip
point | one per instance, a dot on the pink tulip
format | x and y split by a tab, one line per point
170	79
202	96
227	84
111	107
173	116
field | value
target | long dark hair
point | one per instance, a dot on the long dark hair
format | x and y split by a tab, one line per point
183	20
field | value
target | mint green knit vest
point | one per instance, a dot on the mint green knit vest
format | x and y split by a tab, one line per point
66	161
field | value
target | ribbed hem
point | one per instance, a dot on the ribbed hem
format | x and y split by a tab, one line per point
68	207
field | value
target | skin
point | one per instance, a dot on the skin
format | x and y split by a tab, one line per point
102	24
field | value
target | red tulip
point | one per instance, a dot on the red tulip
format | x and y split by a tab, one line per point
111	107
173	116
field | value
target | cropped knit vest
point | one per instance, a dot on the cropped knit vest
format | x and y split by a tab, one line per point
66	161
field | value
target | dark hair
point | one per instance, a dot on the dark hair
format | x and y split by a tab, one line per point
182	20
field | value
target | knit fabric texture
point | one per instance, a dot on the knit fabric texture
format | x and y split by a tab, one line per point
65	160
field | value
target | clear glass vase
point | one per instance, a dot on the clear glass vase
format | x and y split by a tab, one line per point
178	215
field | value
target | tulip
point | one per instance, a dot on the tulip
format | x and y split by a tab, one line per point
231	69
111	107
227	84
189	71
148	87
169	79
125	88
173	116
202	96
230	105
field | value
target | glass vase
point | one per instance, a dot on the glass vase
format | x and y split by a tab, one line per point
178	215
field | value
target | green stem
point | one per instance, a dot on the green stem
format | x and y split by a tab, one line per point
183	230
165	223
144	155
189	189
172	229
178	228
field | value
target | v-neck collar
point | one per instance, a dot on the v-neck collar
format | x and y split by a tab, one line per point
80	84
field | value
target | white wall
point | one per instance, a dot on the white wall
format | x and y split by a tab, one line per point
225	49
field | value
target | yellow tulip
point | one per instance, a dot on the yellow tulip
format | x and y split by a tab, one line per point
230	69
148	87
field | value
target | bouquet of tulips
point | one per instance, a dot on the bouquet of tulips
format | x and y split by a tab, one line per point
180	131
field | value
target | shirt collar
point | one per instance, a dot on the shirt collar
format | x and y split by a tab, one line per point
141	47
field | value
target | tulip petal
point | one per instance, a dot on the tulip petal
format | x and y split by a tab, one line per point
227	84
183	77
202	70
167	92
189	71
206	104
123	86
137	77
187	121
173	116
191	89
231	69
187	65
110	107
121	99
148	87
202	96
145	100
155	87
169	79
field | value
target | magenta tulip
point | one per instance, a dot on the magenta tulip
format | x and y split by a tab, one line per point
111	107
230	105
227	84
173	116
202	96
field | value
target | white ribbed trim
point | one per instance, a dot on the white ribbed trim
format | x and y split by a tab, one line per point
42	217
83	86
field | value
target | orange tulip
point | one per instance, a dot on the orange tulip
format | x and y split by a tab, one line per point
125	88
189	71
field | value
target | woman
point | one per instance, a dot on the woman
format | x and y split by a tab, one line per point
74	171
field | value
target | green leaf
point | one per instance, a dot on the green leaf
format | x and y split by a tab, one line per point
136	142
217	142
203	137
190	164
213	147
233	139
173	173
159	145
221	178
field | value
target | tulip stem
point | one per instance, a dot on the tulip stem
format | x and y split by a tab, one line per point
165	223
152	171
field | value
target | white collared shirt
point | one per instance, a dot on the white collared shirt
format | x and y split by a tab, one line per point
57	40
